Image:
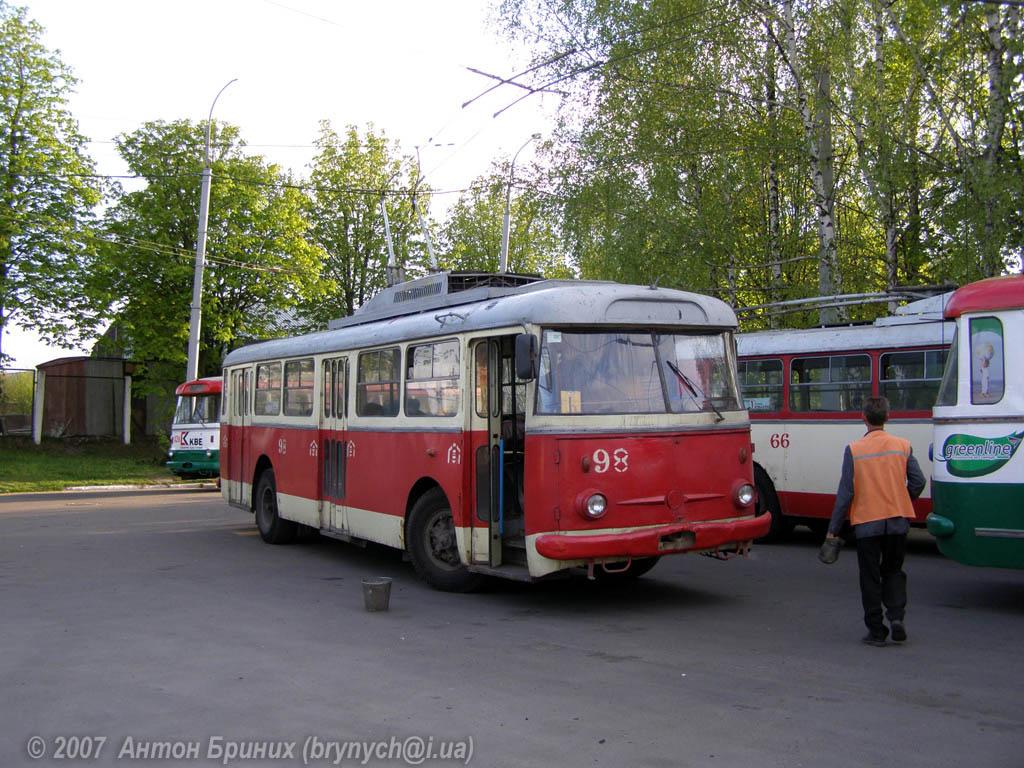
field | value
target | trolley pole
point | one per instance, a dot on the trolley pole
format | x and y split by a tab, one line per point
503	261
195	319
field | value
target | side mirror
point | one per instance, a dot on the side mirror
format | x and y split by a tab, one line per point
526	356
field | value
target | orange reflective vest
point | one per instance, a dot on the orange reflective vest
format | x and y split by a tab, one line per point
880	478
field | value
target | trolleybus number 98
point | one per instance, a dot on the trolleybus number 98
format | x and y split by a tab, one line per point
619	460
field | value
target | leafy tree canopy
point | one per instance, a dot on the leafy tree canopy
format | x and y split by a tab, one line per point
47	190
260	268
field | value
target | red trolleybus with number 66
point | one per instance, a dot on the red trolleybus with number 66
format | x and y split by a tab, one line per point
501	425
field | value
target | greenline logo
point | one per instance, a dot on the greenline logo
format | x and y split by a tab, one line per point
970	456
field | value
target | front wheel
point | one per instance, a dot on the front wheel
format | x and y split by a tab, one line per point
273	529
432	545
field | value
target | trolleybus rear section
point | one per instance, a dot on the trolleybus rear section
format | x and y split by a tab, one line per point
978	478
805	390
502	425
195	429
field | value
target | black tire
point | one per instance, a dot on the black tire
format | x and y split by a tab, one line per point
273	529
768	504
430	540
636	568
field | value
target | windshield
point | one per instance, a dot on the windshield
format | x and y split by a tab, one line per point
197	409
950	379
629	372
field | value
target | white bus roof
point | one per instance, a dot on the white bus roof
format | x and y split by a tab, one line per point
560	303
845	338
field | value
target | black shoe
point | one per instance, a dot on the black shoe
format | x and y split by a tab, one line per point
876	640
899	632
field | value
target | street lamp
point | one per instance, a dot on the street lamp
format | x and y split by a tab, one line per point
503	262
197	281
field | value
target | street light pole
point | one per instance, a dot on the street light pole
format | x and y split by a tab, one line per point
197	280
503	262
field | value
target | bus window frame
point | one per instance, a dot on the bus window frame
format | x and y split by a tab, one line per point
971	337
884	384
432	381
260	406
302	392
780	401
835	387
394	385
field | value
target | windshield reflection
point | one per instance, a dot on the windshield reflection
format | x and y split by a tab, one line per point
629	372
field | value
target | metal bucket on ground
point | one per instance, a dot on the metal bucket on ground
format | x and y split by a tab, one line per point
376	592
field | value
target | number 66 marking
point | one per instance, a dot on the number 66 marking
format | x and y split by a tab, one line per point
602	461
779	440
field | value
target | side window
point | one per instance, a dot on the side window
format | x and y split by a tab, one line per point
268	390
377	380
298	387
225	387
341	388
987	376
910	380
328	388
432	379
836	383
335	387
761	384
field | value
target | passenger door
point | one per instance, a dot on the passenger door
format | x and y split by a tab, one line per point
334	445
239	417
486	420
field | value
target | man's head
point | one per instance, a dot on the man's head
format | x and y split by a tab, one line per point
876	411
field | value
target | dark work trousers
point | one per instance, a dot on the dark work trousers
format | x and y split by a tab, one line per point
882	580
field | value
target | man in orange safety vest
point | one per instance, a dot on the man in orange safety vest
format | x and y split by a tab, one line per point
880	479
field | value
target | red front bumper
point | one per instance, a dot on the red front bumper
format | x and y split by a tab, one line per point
652	542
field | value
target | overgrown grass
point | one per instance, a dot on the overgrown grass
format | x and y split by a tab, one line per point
58	464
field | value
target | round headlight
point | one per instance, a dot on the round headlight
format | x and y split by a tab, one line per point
596	506
209	454
745	494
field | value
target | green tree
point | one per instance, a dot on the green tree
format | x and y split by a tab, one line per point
472	232
260	265
46	192
352	177
775	151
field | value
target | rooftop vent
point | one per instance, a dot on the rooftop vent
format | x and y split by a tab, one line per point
442	289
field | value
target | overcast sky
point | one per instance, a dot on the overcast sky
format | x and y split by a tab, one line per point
399	64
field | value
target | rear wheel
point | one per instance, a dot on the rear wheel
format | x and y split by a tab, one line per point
432	545
768	504
272	528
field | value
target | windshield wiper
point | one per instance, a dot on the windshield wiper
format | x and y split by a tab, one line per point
690	385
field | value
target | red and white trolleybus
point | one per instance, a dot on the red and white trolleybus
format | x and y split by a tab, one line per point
805	390
502	425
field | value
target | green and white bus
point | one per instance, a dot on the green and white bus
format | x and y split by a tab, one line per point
195	431
978	471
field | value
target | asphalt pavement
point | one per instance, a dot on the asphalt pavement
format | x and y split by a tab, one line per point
159	622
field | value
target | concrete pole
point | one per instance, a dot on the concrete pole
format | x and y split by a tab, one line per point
37	408
126	420
195	318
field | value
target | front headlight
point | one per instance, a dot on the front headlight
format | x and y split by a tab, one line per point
594	506
744	495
